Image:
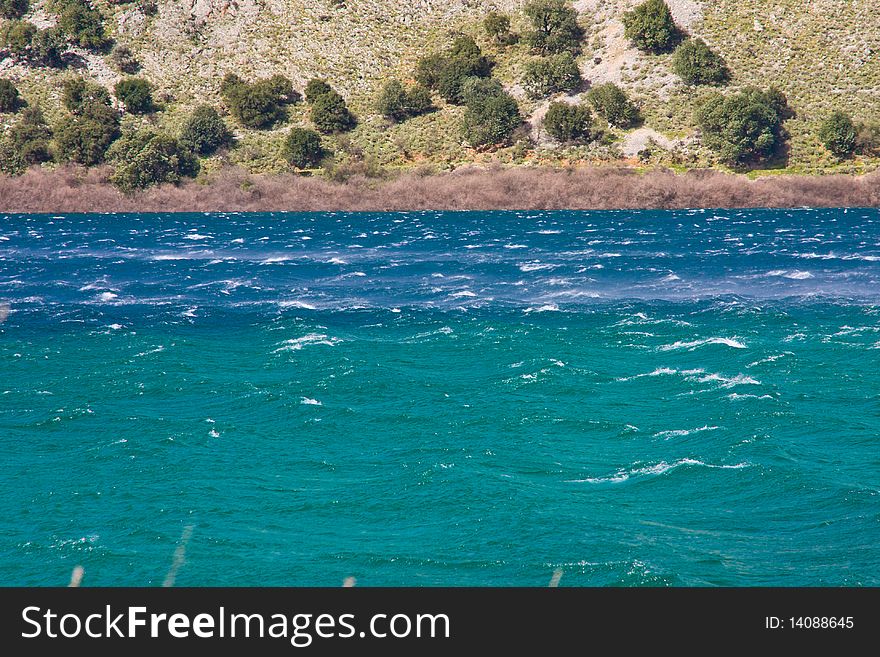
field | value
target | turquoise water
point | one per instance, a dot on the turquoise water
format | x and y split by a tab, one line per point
635	398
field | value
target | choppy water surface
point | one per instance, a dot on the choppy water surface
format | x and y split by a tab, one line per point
637	398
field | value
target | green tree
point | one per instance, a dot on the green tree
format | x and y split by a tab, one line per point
146	158
497	27
554	27
16	36
48	47
548	75
316	87
136	94
651	28
78	94
85	135
258	105
303	149
868	139
491	115
10	100
392	101
83	24
30	136
418	100
447	72
331	114
838	134
13	8
204	131
612	104
743	127
569	123
696	63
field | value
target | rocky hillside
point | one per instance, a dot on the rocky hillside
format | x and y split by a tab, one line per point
824	55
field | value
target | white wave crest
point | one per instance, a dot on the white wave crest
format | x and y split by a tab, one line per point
656	469
695	344
295	344
681	433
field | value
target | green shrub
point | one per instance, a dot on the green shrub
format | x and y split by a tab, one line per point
16	36
136	94
418	100
29	137
429	68
204	131
78	94
13	8
282	88
838	134
146	158
302	148
83	24
122	60
491	115
569	123
86	134
651	28
743	127
696	63
316	87
10	100
497	27
612	104
48	47
331	114
554	27
548	75
258	105
447	72
392	101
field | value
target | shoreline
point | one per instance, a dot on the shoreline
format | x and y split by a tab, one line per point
74	189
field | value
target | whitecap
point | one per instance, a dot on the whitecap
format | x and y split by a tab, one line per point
197	236
107	296
681	433
295	344
799	275
656	469
535	266
694	344
546	308
462	293
296	303
306	401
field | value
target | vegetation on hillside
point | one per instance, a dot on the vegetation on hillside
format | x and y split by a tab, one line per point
467	82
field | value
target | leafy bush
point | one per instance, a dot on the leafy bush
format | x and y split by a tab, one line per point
331	114
554	27
123	60
82	23
447	72
27	142
612	104
302	148
316	87
13	8
16	36
548	75
136	94
696	63
569	123
48	47
204	131
497	27
10	100
838	134
146	158
399	103
85	135
743	127
491	115
258	105
651	28
78	94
